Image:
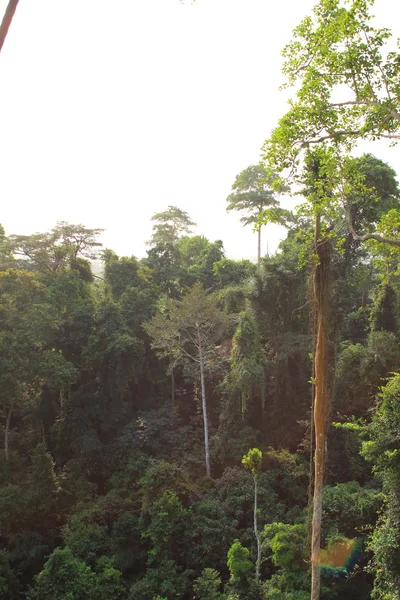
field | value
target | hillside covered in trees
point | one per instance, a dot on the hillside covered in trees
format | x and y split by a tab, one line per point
130	399
185	425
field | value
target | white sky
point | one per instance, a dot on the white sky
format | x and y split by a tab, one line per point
110	110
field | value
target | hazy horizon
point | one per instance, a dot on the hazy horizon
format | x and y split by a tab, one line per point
113	111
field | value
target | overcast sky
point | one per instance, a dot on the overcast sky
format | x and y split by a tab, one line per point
111	110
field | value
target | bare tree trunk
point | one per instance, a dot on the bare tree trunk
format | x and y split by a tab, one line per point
8	17
258	564
173	388
204	404
321	402
6	433
259	246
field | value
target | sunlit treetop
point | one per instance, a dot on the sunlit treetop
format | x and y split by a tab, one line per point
347	79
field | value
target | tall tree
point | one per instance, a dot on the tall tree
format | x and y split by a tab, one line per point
190	328
7	19
251	195
170	225
319	192
319	178
339	49
336	49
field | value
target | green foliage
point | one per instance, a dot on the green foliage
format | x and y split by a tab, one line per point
381	193
170	225
109	581
63	246
28	359
286	587
120	273
350	509
384	247
229	272
383	313
247	374
190	324
238	561
197	259
360	370
286	545
162	477
100	462
164	580
208	585
64	576
336	47
252	194
44	485
382	448
8	580
167	516
253	460
352	378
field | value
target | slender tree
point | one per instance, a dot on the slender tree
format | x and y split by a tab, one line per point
190	329
251	195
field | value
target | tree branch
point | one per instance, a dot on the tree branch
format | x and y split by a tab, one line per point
368	236
8	17
330	136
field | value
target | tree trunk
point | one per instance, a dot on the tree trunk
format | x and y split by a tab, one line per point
6	433
321	402
172	388
8	17
258	564
204	404
259	246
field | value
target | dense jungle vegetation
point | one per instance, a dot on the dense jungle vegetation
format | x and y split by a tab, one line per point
104	486
189	426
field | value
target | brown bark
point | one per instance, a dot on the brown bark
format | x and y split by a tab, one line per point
321	401
8	17
6	433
